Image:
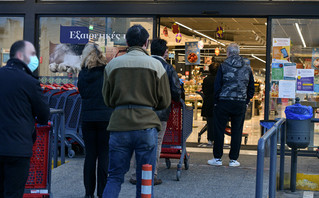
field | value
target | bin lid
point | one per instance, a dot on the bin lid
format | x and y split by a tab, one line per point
298	111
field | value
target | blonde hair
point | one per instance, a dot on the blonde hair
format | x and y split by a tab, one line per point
92	56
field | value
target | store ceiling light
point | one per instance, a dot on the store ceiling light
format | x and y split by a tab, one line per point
300	34
184	26
258	58
197	32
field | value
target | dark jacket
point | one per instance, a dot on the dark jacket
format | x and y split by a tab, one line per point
90	84
208	91
234	80
163	115
21	101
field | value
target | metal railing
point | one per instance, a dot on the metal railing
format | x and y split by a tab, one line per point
271	134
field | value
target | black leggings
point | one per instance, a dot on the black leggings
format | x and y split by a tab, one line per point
96	140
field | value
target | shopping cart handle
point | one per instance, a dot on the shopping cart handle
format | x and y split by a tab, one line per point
41	125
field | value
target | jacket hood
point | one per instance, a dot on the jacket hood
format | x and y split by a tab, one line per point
235	61
90	75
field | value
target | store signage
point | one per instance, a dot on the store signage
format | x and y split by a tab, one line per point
219	32
178	38
192	53
175	28
165	32
81	35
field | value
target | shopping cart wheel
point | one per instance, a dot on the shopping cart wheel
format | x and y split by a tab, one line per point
168	163
178	175
71	153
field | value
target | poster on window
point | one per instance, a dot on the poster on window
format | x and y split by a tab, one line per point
277	71
287	88
290	71
192	53
274	91
315	58
281	49
305	80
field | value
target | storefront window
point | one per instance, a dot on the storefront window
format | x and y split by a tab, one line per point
62	40
8	25
295	66
211	36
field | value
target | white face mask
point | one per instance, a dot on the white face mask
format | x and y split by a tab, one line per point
34	63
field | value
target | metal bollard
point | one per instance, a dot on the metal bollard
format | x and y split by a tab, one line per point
147	174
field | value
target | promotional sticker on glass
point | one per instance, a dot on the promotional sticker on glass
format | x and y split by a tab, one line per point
305	80
192	53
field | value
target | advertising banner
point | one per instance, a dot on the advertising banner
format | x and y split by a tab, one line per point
192	53
305	81
281	48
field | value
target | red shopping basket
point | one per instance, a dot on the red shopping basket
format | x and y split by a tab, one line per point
37	183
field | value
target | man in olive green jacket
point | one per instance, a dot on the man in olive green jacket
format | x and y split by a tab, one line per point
135	85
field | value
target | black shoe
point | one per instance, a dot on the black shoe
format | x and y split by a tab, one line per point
133	181
89	196
157	181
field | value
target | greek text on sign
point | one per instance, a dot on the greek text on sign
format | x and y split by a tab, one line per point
81	35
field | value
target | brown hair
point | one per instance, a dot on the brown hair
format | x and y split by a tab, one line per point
213	68
92	56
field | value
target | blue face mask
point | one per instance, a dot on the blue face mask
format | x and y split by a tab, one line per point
34	63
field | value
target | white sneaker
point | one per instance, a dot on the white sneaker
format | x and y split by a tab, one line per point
215	162
209	142
234	163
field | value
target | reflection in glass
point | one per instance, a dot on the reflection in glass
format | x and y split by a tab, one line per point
11	30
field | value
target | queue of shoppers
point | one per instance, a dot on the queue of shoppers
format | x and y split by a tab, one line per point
125	109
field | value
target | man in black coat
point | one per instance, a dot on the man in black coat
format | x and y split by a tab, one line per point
21	105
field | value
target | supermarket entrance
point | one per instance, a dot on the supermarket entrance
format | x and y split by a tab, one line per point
213	35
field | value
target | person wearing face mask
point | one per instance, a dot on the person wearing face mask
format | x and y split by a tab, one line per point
22	104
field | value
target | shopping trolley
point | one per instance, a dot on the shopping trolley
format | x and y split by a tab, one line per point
39	181
179	127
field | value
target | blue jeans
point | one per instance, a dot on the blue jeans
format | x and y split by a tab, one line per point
121	147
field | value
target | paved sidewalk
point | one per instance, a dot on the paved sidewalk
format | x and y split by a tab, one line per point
200	181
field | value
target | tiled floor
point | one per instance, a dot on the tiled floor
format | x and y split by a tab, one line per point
251	126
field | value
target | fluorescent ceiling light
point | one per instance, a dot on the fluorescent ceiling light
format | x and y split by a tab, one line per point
197	32
184	26
258	58
301	37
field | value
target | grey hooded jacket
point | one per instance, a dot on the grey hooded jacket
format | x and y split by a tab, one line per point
234	80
